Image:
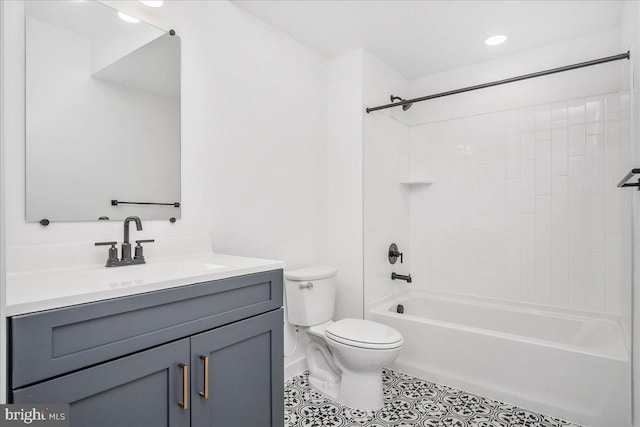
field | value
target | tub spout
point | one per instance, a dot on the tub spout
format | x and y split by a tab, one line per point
395	276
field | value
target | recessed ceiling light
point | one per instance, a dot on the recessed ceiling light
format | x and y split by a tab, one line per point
152	3
495	40
127	18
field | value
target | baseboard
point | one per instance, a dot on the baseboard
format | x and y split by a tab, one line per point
294	366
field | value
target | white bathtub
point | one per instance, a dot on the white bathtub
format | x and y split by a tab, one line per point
565	363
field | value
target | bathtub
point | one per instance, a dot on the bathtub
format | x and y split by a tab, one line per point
565	363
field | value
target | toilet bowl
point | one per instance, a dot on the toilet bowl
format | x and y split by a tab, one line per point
345	357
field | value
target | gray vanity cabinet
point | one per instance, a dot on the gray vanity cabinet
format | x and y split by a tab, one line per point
244	377
208	354
135	391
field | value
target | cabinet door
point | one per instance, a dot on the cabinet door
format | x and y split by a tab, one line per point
138	391
245	374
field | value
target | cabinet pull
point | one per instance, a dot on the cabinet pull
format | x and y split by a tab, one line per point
205	394
184	403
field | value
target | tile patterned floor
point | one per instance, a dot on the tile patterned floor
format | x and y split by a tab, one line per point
409	401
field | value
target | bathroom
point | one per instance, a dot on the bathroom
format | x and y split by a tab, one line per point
503	201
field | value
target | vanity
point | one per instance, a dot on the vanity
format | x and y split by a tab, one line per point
188	340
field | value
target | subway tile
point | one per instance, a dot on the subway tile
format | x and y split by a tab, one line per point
527	120
527	240
559	110
612	146
596	128
625	150
576	185
512	152
577	248
543	277
527	186
543	222
484	150
559	204
471	208
557	124
595	164
543	167
512	275
595	299
498	171
576	113
576	140
613	304
560	259
512	118
528	284
624	101
527	146
577	291
543	117
594	109
497	213
512	205
560	297
611	103
513	292
595	222
616	203
613	263
559	151
484	188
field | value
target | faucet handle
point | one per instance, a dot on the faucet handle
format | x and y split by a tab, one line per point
113	252
139	255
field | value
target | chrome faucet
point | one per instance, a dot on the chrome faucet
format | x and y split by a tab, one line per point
112	260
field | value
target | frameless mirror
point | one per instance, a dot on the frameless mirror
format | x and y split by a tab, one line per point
102	114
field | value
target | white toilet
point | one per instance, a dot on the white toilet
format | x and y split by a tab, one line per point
346	357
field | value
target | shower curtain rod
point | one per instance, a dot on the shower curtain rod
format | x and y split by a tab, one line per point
501	82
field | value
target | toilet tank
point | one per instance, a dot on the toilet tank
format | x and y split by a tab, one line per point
310	293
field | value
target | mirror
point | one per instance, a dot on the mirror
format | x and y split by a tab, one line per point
102	114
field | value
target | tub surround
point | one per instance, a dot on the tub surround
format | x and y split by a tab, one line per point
52	281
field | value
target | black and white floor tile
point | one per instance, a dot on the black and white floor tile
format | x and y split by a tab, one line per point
409	401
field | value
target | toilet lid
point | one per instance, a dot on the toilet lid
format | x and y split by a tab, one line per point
364	333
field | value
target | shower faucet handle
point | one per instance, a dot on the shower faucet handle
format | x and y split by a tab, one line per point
394	254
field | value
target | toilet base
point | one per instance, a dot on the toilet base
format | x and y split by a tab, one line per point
361	390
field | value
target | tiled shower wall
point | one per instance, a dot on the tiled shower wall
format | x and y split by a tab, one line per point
524	204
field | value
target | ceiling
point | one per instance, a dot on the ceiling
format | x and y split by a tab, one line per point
418	38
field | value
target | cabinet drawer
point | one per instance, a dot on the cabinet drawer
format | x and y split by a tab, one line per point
54	342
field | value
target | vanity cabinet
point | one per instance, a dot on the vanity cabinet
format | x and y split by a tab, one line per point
208	354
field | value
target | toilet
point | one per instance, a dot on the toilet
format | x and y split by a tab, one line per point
345	357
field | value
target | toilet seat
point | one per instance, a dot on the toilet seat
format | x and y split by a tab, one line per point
364	334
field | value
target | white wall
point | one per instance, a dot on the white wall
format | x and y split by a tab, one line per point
345	198
386	201
254	153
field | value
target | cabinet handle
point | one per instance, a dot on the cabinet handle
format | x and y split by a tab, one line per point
205	394
184	403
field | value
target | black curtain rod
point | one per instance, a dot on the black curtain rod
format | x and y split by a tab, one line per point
501	82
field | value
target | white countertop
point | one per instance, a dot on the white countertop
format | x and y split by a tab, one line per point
44	289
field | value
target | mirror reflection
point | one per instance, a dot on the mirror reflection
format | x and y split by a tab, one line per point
102	114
